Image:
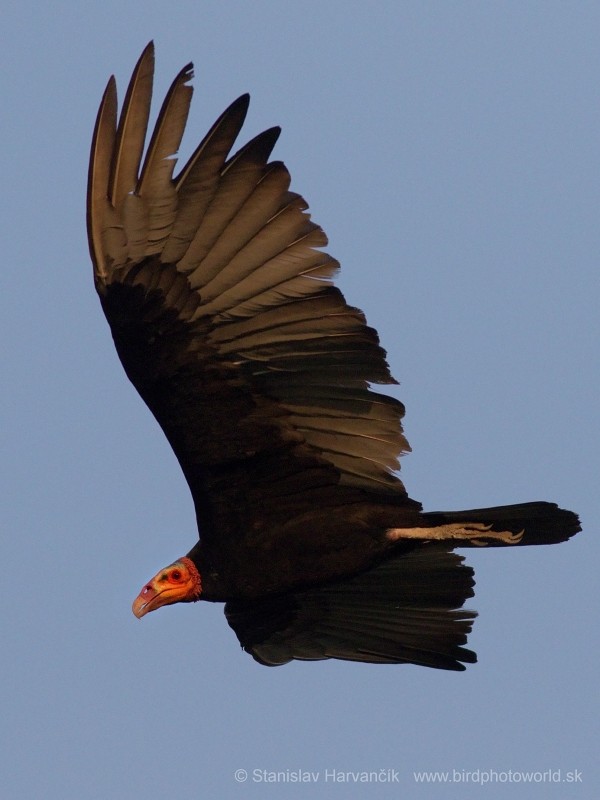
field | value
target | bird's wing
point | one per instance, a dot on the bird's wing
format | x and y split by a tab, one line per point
222	309
405	610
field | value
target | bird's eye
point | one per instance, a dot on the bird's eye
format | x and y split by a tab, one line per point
176	575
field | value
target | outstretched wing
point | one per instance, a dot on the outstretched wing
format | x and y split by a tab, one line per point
222	309
405	610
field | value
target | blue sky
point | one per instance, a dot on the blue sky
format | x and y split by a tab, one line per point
450	151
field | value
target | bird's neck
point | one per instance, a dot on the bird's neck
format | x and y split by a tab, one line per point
213	586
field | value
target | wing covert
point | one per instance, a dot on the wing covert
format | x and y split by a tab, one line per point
404	610
223	311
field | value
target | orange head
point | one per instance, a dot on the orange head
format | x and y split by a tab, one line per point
178	583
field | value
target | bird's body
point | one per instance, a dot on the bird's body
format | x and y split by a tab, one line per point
225	318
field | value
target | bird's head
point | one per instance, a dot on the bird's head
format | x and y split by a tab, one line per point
178	583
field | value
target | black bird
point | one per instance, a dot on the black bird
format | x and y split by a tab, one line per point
226	320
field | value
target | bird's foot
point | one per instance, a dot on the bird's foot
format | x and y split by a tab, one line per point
476	533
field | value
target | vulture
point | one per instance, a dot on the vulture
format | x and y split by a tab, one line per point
222	307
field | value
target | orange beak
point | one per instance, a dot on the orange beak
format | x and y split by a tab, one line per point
175	584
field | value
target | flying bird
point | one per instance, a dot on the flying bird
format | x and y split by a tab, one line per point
223	311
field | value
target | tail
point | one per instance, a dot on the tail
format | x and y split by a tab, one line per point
523	523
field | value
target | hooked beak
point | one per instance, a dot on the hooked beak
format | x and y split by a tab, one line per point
148	600
177	583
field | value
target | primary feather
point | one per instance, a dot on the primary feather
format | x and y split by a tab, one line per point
223	311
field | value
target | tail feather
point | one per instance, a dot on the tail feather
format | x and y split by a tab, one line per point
540	522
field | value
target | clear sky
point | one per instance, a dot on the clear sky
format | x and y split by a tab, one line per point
451	152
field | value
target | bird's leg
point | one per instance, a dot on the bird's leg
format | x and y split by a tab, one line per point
477	533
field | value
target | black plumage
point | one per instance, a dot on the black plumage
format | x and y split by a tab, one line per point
223	311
